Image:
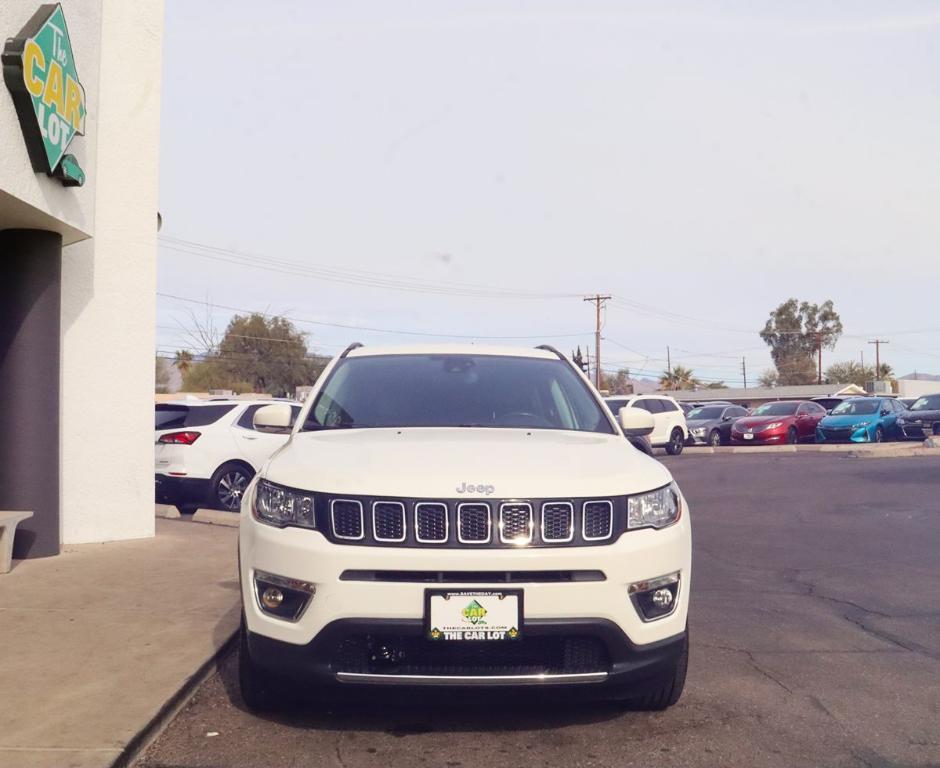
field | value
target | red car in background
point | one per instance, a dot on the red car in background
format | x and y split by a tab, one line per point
785	421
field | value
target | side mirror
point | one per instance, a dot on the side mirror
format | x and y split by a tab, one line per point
635	422
885	411
274	418
726	417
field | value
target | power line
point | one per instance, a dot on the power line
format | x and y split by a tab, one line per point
365	327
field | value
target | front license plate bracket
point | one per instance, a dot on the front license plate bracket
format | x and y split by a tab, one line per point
473	615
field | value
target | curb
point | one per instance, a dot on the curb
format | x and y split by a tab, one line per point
172	706
849	450
166	511
216	517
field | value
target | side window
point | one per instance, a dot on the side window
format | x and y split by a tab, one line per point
667	406
641	404
653	405
802	410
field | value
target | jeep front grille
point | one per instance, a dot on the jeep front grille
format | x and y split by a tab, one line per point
455	523
473	523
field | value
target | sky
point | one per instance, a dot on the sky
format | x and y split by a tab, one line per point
458	171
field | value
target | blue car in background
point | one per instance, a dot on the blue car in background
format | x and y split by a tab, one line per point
861	420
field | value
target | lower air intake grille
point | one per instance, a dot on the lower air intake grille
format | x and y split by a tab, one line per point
598	520
347	519
473	523
409	655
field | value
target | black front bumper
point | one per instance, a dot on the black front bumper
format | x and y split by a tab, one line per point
180	491
627	670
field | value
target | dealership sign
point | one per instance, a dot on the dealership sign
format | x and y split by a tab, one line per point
39	70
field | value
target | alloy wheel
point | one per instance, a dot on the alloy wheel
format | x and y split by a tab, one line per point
231	487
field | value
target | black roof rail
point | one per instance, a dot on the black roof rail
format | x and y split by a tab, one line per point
550	348
350	348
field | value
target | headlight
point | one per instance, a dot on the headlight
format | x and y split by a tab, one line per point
698	431
902	420
862	425
655	509
277	505
774	425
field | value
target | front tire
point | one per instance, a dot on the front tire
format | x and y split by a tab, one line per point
676	442
671	689
259	692
792	436
228	485
714	439
879	435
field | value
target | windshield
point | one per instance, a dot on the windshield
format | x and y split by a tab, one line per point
856	408
928	403
456	391
776	409
712	412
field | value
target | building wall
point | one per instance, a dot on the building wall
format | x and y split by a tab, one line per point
109	295
109	270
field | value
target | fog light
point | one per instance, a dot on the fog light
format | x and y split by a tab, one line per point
655	598
662	598
283	597
272	598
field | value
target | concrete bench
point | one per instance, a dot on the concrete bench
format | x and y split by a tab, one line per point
8	523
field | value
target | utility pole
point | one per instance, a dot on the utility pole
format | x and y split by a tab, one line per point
744	370
668	361
598	303
819	349
878	343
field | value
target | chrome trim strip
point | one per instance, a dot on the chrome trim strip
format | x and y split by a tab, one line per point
404	522
570	506
362	520
531	525
482	680
489	523
610	513
438	504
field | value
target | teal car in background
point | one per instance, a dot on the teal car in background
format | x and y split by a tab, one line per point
861	420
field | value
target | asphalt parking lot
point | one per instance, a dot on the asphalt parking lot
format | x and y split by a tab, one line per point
815	642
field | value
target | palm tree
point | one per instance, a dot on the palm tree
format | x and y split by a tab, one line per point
679	377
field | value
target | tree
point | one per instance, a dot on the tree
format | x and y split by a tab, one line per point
851	372
619	383
257	353
717	385
161	376
183	361
768	378
795	331
678	378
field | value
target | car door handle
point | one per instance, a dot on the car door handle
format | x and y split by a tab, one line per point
249	437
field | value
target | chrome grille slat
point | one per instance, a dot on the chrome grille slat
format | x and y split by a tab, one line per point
347	519
515	523
431	523
388	521
597	520
557	522
474	525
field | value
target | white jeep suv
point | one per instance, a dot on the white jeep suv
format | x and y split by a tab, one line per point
669	427
462	516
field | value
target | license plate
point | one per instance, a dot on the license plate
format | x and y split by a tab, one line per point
473	614
748	436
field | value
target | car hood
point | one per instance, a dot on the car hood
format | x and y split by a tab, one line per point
436	462
849	420
931	415
702	423
758	421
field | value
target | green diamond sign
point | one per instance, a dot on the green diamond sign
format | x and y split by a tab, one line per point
39	71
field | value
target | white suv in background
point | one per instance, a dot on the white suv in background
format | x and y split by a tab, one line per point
207	451
462	516
670	430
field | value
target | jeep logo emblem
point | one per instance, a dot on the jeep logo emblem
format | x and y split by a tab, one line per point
470	488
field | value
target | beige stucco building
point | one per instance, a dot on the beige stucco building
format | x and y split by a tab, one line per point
78	290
